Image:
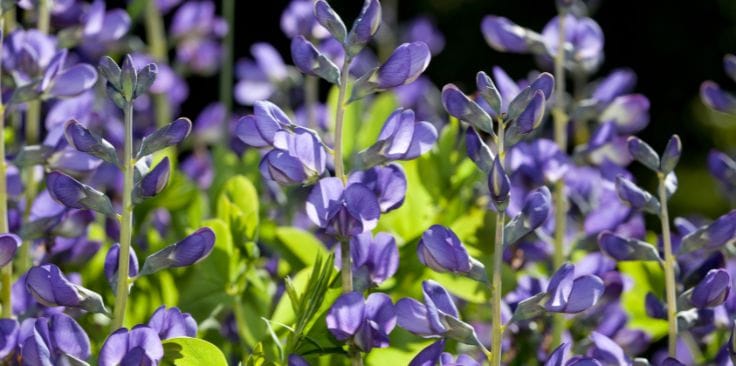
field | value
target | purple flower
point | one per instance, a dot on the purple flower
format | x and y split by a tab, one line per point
567	294
59	81
260	78
430	355
401	138
671	155
458	105
103	29
51	288
190	250
374	259
342	211
441	250
715	97
171	323
654	308
53	340
712	290
422	29
606	351
9	244
197	29
297	157
585	38
169	135
618	82
27	54
298	20
723	168
388	183
404	65
503	34
366	322
629	113
112	261
259	129
8	337
436	317
139	346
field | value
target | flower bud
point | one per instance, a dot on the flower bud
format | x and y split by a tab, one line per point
364	27
154	181
569	295
499	185
458	105
51	288
112	261
310	61
671	155
73	194
329	19
643	153
169	135
712	290
636	197
441	250
192	249
488	91
503	35
622	249
9	244
82	139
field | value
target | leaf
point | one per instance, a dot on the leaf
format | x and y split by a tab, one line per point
417	212
302	245
208	281
646	277
185	351
237	204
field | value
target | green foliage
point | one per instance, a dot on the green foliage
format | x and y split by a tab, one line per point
646	277
237	205
300	247
185	351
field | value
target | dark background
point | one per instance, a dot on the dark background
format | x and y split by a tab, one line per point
672	46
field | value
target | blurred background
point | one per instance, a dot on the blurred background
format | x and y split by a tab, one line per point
672	46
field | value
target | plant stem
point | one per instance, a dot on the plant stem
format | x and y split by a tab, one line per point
339	116
560	129
7	271
669	267
156	38
126	223
44	17
33	126
346	270
226	73
311	92
496	283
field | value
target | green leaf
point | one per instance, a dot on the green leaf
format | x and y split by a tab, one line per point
418	211
185	351
646	277
302	245
370	127
237	205
208	281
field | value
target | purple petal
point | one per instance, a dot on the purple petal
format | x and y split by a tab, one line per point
346	315
73	81
441	250
405	64
503	35
9	244
412	316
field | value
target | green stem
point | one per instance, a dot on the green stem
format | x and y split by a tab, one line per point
126	223
339	116
669	267
311	91
346	270
7	271
44	17
496	283
560	129
156	38
226	74
242	325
